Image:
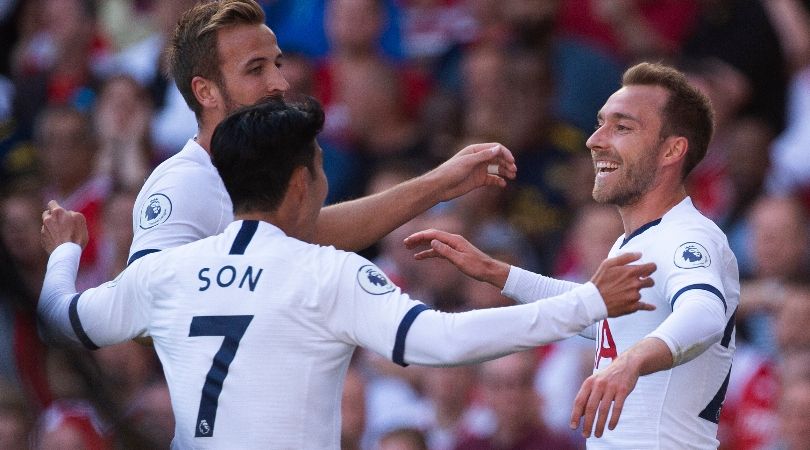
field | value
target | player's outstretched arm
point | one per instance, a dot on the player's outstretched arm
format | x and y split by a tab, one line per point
357	224
438	338
457	250
615	278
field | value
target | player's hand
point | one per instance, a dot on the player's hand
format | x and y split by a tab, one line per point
465	256
620	284
60	225
604	393
476	165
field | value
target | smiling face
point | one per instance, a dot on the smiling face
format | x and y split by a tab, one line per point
250	66
626	144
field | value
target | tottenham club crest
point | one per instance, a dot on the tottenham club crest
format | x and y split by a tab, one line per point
154	211
691	255
373	281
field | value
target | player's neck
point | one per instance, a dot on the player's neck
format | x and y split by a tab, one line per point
290	224
653	205
203	138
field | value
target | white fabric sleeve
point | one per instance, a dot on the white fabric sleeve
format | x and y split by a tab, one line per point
58	289
524	286
368	310
697	322
114	312
439	339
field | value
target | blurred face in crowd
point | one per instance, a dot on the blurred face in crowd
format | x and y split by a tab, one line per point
779	237
626	143
66	149
354	25
250	66
792	318
19	230
508	384
794	415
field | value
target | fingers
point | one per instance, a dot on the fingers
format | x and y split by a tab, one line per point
579	404
644	270
445	251
623	259
501	162
641	306
426	254
591	407
426	236
618	405
603	410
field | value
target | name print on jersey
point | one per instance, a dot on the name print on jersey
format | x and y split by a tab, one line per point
226	276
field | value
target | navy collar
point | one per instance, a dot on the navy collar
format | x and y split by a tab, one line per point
640	230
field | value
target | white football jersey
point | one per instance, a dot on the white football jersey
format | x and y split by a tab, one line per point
182	201
255	330
677	408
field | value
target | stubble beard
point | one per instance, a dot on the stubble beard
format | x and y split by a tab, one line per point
634	183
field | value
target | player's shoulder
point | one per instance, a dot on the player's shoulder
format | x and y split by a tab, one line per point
687	240
334	266
189	164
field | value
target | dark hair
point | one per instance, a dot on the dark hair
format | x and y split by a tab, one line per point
257	148
688	112
193	51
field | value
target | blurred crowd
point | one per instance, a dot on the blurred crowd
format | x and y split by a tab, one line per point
86	112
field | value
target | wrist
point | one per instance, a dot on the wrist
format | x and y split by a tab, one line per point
497	272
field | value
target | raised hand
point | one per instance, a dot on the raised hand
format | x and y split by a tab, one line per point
620	282
476	165
466	257
60	225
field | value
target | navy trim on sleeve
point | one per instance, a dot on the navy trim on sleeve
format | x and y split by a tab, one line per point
140	254
705	287
398	355
729	329
76	323
243	237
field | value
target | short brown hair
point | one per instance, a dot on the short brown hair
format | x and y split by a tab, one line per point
688	112
193	48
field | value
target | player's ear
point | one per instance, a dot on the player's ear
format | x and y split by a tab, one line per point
299	184
205	91
675	150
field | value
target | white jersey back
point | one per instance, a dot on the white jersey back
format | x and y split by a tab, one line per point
677	408
182	201
251	334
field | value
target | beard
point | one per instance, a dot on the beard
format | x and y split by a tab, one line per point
632	185
231	105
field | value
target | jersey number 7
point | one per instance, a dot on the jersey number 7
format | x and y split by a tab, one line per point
232	328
